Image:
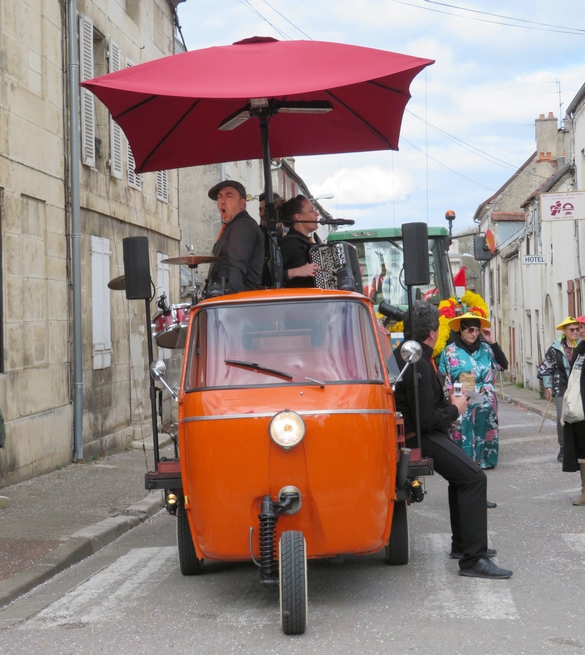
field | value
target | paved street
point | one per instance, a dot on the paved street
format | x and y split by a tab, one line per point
131	598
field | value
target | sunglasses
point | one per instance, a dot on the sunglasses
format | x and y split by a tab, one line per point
471	329
573	329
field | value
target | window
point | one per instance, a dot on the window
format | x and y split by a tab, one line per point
134	178
332	342
115	129
162	186
528	336
100	297
87	102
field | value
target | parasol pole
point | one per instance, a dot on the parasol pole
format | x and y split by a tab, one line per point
275	262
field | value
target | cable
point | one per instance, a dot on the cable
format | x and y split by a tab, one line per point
286	19
253	9
487	13
467	146
483	20
445	166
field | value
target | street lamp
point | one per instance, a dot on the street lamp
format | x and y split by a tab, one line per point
327	196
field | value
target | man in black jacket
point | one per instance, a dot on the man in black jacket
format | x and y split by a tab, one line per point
240	243
467	482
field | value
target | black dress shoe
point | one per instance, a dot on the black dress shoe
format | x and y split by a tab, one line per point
490	552
485	568
490	505
560	455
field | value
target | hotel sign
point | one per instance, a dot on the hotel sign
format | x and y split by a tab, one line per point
534	259
566	206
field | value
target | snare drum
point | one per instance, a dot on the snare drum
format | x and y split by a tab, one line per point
168	327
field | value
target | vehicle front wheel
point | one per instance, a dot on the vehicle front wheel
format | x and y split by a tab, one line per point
397	549
189	563
293	582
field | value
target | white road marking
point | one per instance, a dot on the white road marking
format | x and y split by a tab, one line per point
575	541
104	596
460	597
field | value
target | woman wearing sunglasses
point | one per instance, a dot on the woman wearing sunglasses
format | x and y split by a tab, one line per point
473	358
555	367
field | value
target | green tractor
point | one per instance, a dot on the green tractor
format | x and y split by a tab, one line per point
380	254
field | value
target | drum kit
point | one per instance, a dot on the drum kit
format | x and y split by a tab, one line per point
170	321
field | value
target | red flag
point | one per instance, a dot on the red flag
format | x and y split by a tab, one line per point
459	279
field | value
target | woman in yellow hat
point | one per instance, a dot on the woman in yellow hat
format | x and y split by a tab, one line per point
555	367
473	358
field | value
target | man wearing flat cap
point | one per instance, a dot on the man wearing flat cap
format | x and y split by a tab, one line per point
240	243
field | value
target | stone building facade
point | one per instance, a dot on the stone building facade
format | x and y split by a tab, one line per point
36	360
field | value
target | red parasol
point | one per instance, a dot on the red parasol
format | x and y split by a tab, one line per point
319	98
171	108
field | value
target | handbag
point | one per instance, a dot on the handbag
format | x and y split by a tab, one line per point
572	411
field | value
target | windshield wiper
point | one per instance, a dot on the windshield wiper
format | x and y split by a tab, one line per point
258	367
271	371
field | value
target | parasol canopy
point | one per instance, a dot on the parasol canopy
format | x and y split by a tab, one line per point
323	98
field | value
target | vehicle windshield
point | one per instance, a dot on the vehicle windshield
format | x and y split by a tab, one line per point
382	263
329	342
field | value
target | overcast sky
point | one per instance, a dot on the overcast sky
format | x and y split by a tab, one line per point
470	122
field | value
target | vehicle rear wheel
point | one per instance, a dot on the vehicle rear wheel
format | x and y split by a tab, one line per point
397	549
189	563
293	582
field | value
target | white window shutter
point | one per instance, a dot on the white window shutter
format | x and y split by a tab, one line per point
134	179
162	186
100	297
87	102
115	129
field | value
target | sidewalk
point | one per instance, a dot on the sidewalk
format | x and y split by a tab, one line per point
58	519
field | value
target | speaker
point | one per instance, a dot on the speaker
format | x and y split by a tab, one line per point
481	250
136	268
415	241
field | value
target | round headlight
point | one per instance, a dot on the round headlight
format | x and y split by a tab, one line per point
287	429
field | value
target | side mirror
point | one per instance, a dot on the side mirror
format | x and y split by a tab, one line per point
157	372
411	352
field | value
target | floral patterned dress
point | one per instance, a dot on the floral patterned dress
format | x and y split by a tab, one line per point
477	431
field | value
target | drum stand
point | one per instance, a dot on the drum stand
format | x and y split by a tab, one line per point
152	386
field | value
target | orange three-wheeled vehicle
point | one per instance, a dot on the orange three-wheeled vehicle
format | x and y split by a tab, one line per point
290	446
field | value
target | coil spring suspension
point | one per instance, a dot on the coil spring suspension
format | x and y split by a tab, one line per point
268	518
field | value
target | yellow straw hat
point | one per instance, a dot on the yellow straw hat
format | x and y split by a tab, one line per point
570	320
474	313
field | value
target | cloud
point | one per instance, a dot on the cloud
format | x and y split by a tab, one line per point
365	185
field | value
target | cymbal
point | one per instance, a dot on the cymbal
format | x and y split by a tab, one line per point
191	260
118	283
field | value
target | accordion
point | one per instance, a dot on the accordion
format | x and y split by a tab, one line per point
339	266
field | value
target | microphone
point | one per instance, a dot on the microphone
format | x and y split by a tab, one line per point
336	221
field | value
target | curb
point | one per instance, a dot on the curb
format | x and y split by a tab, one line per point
80	545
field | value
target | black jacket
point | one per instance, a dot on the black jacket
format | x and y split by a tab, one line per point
295	252
241	247
574	431
436	413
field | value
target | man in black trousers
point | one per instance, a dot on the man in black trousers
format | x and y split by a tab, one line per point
467	482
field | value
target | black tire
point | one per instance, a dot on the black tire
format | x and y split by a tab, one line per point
293	582
397	551
188	561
